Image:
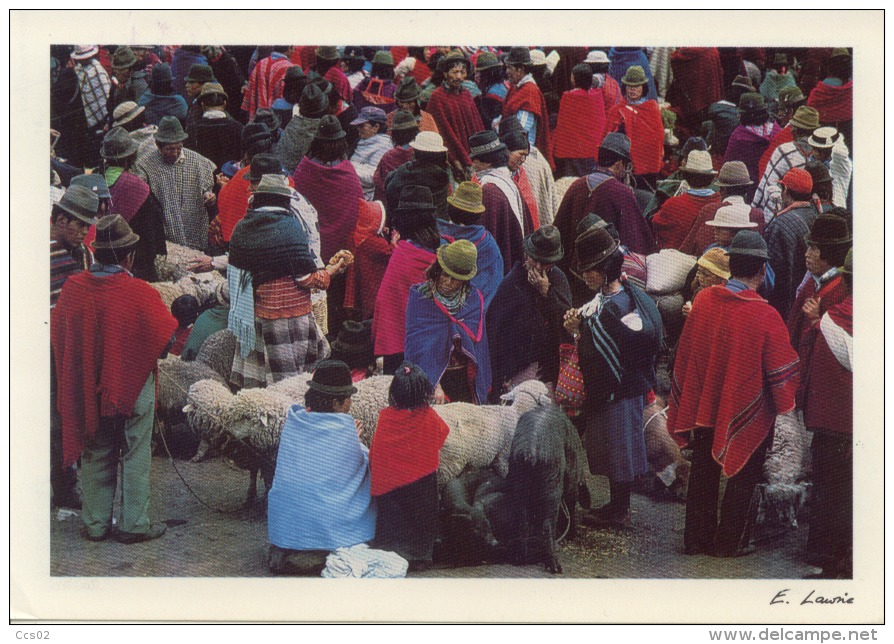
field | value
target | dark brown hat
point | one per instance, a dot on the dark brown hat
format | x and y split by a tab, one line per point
330	129
113	232
544	245
593	247
200	73
313	103
408	90
354	340
518	56
829	230
333	377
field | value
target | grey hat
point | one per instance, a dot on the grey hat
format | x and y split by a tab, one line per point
274	184
733	173
170	130
268	117
313	103
80	202
403	120
484	142
94	182
117	144
408	90
518	56
126	112
617	143
330	129
200	73
544	245
124	58
594	246
263	164
327	52
749	242
113	232
255	138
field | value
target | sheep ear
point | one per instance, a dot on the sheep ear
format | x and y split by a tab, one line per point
188	408
544	400
264	420
508	397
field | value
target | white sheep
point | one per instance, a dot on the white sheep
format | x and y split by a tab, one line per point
217	352
207	400
173	266
370	399
175	377
202	286
788	460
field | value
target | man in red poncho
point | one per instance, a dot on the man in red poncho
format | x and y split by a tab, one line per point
526	102
735	371
640	119
328	65
833	97
698	82
580	126
455	113
265	84
677	216
107	332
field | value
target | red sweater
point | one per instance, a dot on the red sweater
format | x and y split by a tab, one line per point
405	447
107	334
735	371
676	218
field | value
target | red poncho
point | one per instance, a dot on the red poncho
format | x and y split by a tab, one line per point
701	236
406	267
338	79
829	385
580	126
334	191
529	98
265	84
735	371
532	216
834	104
370	221
643	126
676	218
107	334
698	79
405	447
457	119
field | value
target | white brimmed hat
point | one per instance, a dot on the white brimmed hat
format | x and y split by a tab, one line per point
699	162
823	137
596	56
428	142
83	52
736	215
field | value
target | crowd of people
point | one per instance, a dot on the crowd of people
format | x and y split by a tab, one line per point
465	219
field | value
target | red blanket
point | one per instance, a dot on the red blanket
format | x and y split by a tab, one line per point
698	78
830	394
370	221
834	104
532	216
676	218
334	191
735	376
457	119
529	98
107	334
405	447
643	126
232	202
580	126
406	267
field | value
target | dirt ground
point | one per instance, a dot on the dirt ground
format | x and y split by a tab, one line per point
224	540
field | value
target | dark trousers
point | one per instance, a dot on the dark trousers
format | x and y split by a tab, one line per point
703	532
831	537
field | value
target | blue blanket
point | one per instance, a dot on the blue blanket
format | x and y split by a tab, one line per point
490	261
320	496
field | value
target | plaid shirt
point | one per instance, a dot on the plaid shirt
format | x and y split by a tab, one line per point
785	157
180	188
95	87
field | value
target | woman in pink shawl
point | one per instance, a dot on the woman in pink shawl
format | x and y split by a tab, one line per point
414	221
329	182
751	137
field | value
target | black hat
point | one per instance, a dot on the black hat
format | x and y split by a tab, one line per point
516	140
509	123
593	247
829	230
333	377
518	56
170	131
451	59
484	142
256	137
200	73
408	90
413	197
80	202
617	143
749	242
330	129
161	74
262	164
268	117
354	340
415	209
544	245
313	103
751	102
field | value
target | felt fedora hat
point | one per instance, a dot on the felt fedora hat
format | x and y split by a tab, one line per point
113	232
617	143
126	112
790	97
83	52
313	103
333	377
428	142
274	184
268	117
699	162
124	58
744	82
594	246
117	144
544	245
80	202
354	339
459	259
715	260
751	102
467	197
597	57
403	120
823	137
255	136
413	197
94	182
634	76
484	142
486	60
805	118
200	73
263	164
734	215
169	130
327	52
330	129
733	173
828	230
383	57
209	89
408	90
518	56
749	242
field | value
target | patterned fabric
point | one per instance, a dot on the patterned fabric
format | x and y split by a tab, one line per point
283	348
95	86
180	188
787	156
265	84
284	297
64	264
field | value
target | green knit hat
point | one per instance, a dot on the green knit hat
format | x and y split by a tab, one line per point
634	76
459	259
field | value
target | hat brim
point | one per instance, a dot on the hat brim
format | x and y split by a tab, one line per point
450	271
713	268
827	242
466	207
589	265
717	224
120	244
334	391
130	116
352	349
427	148
78	215
702	172
723	184
130	151
750	252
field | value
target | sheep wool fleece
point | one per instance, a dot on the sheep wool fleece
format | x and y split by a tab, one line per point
320	498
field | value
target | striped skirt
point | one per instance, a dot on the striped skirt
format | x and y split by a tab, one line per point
283	348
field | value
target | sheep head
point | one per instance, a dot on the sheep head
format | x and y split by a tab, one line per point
528	395
257	416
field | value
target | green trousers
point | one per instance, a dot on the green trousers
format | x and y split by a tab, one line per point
128	440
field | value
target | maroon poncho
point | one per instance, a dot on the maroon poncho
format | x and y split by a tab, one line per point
529	98
391	160
107	335
734	371
457	119
333	191
580	126
500	220
829	386
748	146
698	79
834	104
129	193
672	223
